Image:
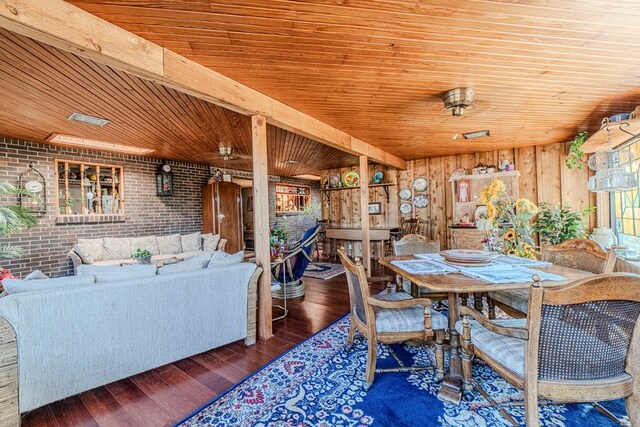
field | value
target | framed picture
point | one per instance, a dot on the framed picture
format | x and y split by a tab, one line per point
375	208
334	180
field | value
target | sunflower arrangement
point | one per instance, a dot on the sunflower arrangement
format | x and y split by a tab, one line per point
511	221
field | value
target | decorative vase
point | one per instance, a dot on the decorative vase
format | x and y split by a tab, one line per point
144	259
603	236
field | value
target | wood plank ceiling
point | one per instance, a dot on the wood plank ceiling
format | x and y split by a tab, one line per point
542	70
42	86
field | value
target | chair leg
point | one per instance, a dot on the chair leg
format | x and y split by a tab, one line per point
352	333
467	354
633	407
372	356
531	416
440	353
492	307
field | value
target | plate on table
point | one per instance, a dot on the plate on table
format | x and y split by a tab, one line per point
406	208
467	264
421	201
351	179
420	184
377	177
468	256
405	194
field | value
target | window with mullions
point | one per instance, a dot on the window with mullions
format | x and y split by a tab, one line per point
625	210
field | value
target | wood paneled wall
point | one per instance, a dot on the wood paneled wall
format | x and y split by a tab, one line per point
544	178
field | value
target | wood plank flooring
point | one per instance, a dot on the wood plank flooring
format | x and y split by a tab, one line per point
167	394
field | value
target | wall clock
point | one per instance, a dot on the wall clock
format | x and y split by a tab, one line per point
164	180
34	183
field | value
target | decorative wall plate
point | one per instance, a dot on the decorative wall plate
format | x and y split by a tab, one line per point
421	201
377	177
405	194
351	179
420	184
406	208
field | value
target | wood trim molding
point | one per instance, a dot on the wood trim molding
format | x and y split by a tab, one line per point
72	29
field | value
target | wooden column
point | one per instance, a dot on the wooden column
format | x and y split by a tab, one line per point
364	213
261	223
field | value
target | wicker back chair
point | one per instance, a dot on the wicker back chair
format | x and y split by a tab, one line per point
579	343
410	226
389	318
581	254
412	244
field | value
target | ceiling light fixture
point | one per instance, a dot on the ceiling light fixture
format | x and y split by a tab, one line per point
290	162
74	141
307	176
458	99
90	120
477	134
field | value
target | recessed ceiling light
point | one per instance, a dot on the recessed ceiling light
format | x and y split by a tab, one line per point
90	120
75	141
290	162
476	134
307	176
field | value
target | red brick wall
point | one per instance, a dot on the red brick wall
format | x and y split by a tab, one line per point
146	214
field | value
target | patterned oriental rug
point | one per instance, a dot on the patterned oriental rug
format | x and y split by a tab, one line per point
319	383
323	270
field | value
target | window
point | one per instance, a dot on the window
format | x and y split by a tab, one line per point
292	198
625	209
89	188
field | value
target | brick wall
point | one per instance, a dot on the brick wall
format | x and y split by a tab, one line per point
296	223
146	214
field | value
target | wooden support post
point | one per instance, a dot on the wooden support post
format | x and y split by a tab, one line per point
364	213
261	223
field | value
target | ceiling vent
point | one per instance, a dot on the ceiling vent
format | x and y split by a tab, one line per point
90	120
477	134
457	100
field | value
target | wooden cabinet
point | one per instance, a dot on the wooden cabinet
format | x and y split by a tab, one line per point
222	213
466	238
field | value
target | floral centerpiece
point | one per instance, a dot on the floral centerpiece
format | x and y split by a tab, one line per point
511	232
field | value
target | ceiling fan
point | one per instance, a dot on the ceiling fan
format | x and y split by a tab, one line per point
227	154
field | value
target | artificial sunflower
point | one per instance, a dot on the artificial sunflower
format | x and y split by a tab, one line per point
526	206
510	234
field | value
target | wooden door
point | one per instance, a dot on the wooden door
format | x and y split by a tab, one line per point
208	209
229	199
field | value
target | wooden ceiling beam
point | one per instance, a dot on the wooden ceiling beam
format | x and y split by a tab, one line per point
69	28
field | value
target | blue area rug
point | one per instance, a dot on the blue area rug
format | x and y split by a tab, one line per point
319	383
323	270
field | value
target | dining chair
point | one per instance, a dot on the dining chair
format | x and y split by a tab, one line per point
579	343
410	226
390	318
321	241
412	244
581	254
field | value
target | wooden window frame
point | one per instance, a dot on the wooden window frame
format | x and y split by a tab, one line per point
307	197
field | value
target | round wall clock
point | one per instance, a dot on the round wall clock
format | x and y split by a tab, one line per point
166	168
33	186
420	184
33	181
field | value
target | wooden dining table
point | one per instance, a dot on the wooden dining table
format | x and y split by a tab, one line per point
455	284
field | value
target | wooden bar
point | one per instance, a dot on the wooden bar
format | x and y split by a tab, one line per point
113	189
66	187
121	190
364	213
98	191
57	185
261	223
82	190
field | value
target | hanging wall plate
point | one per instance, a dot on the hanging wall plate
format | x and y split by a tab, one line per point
420	184
421	201
405	194
406	208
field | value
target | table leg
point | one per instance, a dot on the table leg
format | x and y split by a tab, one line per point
451	389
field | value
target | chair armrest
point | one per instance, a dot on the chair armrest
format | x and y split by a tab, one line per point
221	244
77	261
521	333
379	302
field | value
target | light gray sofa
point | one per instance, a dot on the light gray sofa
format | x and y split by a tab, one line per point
118	250
58	342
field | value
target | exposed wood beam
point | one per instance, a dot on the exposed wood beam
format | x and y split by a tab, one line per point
72	29
261	223
364	213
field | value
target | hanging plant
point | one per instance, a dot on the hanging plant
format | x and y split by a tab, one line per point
574	158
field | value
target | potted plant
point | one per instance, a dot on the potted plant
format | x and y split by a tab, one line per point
557	224
143	256
574	157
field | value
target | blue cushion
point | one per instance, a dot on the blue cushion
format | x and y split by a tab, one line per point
15	286
116	273
408	319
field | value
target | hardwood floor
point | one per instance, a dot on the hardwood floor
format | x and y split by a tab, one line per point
167	394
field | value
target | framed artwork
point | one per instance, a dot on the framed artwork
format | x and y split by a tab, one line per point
334	180
375	208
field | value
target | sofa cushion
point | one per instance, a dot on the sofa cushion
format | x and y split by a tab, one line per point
187	255
110	273
92	248
210	242
149	243
16	286
220	258
195	263
36	275
117	262
116	248
83	254
191	242
169	244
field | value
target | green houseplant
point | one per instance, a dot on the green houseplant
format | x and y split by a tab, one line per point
557	224
143	256
574	157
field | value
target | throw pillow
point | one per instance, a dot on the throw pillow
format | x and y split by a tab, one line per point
83	254
195	263
226	259
93	248
169	244
191	242
116	273
149	243
36	275
210	242
16	286
116	248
